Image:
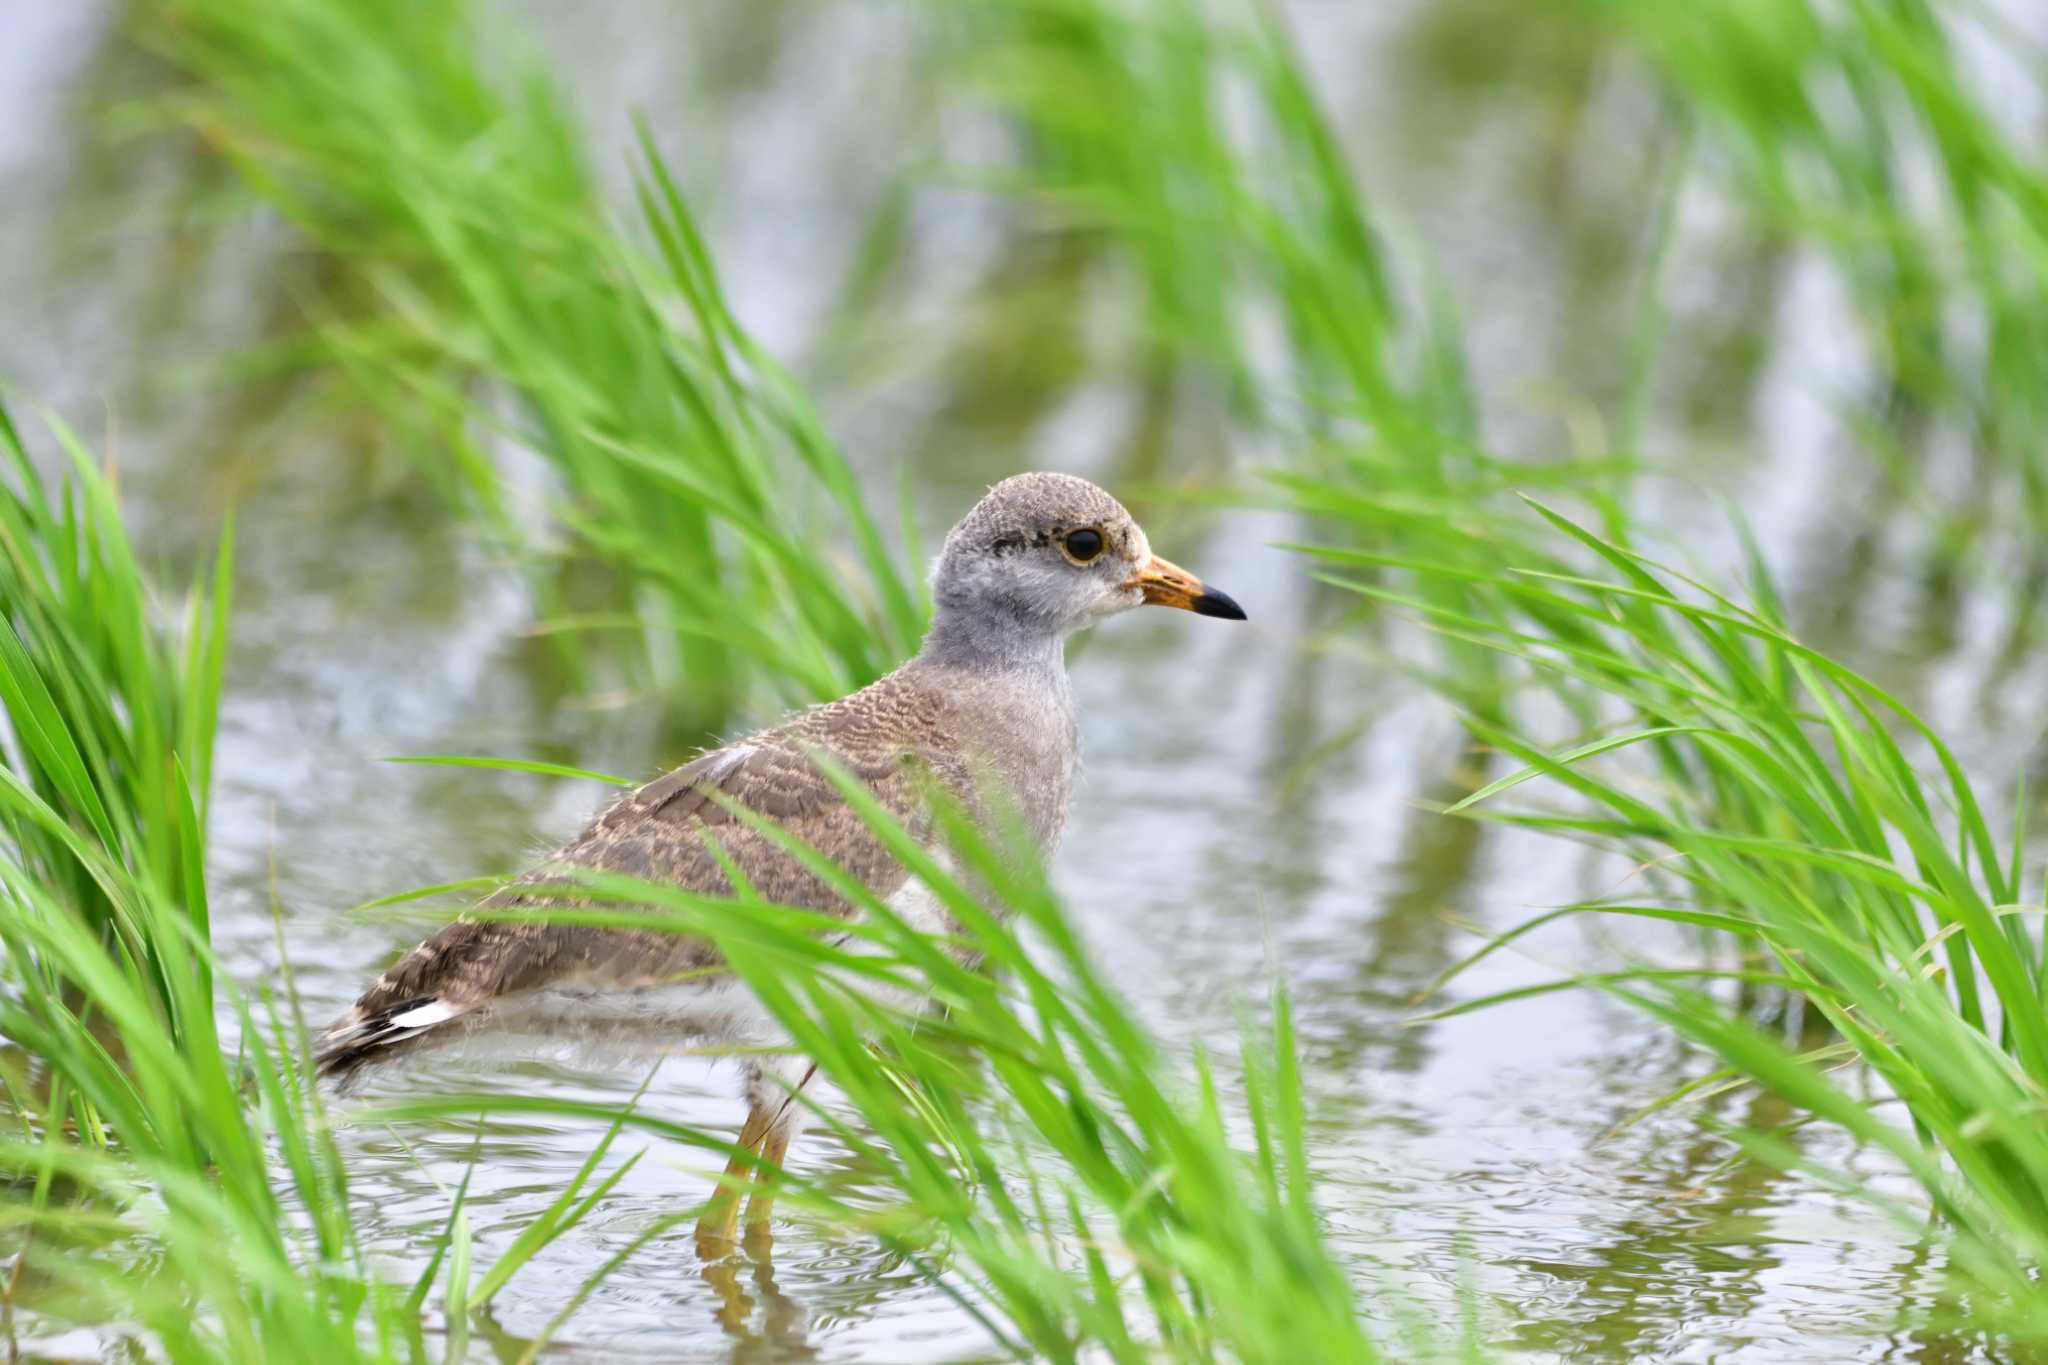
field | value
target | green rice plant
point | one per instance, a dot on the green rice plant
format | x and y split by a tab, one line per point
156	1183
159	1182
132	1122
155	1176
153	1205
1029	1127
1189	139
167	1180
703	511
1787	834
1421	525
1773	795
1864	132
109	718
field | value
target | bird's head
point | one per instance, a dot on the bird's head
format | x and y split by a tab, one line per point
1043	555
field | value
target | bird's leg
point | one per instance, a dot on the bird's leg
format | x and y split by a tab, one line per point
762	1202
715	1226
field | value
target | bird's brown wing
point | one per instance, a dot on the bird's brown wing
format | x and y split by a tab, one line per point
664	832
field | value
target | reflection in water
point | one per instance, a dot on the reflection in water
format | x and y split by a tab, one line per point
1413	938
745	1284
760	1323
1699	1226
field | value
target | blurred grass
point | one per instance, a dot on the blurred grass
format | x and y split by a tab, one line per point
1887	145
1860	129
703	515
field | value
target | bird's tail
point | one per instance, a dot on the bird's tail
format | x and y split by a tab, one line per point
363	1037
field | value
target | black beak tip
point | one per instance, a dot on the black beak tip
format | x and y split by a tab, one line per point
1218	604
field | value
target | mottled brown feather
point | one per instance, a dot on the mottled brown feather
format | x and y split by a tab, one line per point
664	831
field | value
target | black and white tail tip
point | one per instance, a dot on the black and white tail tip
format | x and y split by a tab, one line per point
362	1038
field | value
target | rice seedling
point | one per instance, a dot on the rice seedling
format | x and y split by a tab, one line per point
704	514
160	1176
1030	1128
1864	131
1124	137
1783	800
129	1118
140	1181
1778	796
1801	824
110	719
1803	828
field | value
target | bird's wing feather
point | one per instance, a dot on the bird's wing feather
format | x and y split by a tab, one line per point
664	831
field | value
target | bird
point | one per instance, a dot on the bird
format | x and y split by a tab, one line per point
986	698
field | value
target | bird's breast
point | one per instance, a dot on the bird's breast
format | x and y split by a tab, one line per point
1036	751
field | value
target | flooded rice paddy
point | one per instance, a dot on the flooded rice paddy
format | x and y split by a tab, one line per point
1251	807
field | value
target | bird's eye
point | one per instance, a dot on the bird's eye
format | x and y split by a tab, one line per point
1084	544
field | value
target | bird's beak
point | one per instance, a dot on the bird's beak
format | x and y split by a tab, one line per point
1166	584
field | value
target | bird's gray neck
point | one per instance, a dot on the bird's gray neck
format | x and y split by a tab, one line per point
991	644
1012	685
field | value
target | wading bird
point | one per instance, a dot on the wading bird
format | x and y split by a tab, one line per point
986	699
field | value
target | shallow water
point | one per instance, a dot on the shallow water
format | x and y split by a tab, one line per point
1469	1160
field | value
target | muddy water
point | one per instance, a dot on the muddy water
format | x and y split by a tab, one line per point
1481	1162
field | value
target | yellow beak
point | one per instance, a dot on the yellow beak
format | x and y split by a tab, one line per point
1166	584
